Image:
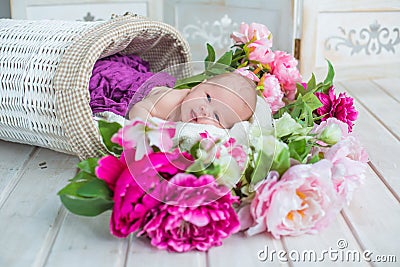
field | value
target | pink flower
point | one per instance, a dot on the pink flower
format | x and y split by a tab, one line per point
133	183
156	166
131	203
284	67
257	40
143	135
349	160
340	107
253	216
260	51
109	169
237	152
254	32
330	131
197	214
272	92
248	73
302	201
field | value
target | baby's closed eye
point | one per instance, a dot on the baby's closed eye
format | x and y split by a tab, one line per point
216	116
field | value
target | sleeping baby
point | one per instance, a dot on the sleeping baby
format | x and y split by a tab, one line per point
222	101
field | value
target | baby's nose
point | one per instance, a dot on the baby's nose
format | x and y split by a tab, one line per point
204	111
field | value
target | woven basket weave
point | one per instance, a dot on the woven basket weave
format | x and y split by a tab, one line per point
45	68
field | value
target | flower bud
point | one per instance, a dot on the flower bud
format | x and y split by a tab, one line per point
331	134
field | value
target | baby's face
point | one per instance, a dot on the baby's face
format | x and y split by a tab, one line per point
210	103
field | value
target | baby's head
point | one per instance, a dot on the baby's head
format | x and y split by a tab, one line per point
223	100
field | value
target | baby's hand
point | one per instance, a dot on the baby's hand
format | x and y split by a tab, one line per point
139	111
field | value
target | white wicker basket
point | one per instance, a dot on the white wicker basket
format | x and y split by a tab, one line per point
45	68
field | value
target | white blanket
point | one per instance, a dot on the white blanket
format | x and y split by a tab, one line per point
189	133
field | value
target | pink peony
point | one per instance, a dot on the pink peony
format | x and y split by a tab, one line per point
340	107
253	217
197	214
254	32
272	92
284	67
349	160
131	203
248	73
133	183
260	51
302	201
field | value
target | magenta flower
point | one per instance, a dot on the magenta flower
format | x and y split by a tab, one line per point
197	214
133	183
284	67
340	107
131	203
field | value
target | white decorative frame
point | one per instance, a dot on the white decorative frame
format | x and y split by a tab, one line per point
360	39
20	8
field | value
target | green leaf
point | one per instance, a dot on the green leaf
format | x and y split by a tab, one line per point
89	165
299	150
281	161
286	125
86	207
95	188
262	167
210	56
216	70
190	82
107	130
83	176
331	73
213	170
225	59
314	159
81	205
312	101
197	168
311	84
300	89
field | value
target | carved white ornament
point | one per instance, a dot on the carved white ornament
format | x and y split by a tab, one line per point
216	33
371	40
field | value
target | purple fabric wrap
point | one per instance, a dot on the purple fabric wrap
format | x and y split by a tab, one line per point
118	79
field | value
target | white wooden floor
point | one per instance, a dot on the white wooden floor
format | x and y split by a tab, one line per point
35	230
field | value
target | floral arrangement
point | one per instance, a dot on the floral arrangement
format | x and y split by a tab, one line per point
291	180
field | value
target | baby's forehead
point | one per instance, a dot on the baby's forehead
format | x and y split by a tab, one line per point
238	84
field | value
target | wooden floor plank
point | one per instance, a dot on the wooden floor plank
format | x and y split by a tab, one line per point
142	252
378	103
239	250
391	86
13	158
337	237
382	147
86	241
374	216
28	214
